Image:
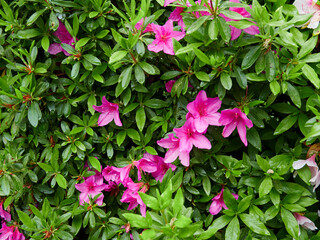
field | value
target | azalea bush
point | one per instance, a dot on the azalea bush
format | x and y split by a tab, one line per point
163	119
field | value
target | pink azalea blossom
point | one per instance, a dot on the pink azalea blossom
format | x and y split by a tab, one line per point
111	174
173	144
232	119
158	168
313	166
4	214
110	111
170	84
145	164
167	2
10	233
309	7
204	111
149	27
65	37
235	32
189	136
177	17
91	187
218	203
164	35
131	196
310	162
305	222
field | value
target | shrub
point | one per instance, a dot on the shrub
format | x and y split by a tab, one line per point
159	119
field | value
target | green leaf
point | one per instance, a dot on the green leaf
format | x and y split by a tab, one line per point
206	185
136	220
148	68
286	124
254	224
140	118
75	70
203	57
202	76
92	59
270	66
178	202
244	204
75	25
170	75
241	78
25	219
241	24
139	74
224	29
233	230
307	47
150	201
229	200
45	167
117	56
294	95
81	42
95	163
197	24
120	137
35	16
34	114
254	138
125	77
133	134
311	74
182	222
275	87
29	33
155	103
62	182
5	186
225	80
251	57
217	224
213	29
290	223
263	164
265	186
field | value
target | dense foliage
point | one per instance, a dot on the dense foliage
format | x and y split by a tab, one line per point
159	119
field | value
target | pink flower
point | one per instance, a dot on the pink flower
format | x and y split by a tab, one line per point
164	35
167	2
189	136
4	214
313	166
145	164
309	7
65	37
235	32
10	233
173	144
234	118
110	111
111	173
305	222
310	162
218	203
204	111
149	27
177	17
132	197
158	168
91	187
170	84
